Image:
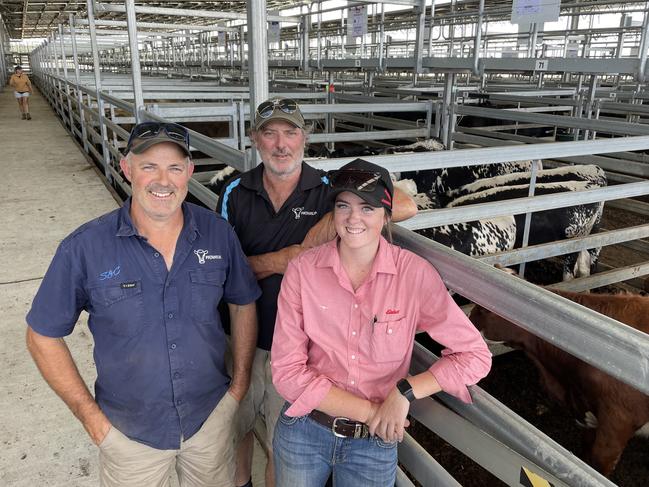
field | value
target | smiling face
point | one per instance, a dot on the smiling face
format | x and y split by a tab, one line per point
281	147
159	179
357	223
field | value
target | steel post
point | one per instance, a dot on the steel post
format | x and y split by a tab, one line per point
100	101
135	58
257	61
77	78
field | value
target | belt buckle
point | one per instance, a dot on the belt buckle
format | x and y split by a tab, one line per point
333	427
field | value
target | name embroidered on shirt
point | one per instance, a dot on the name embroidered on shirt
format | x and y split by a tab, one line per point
392	311
110	274
128	285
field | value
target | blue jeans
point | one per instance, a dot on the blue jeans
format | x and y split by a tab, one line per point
306	453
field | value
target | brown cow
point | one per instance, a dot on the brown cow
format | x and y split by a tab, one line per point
616	410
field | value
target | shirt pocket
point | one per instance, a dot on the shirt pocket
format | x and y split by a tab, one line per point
119	307
389	341
207	291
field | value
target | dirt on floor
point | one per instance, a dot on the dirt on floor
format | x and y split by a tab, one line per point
531	403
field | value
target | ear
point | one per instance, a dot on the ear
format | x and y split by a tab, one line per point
190	168
126	168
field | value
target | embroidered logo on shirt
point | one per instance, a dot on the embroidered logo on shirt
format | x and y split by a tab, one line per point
110	273
298	212
203	256
392	311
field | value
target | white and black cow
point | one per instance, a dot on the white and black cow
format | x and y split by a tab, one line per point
551	225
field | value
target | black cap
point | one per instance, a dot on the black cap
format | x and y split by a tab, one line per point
17	68
369	181
147	134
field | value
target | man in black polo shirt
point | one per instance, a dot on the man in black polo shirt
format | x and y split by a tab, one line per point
274	209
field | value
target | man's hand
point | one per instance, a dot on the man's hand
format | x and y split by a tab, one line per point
96	424
390	420
320	233
238	391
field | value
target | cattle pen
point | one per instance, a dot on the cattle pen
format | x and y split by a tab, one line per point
565	98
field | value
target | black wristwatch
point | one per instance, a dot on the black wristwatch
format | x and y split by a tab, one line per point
406	389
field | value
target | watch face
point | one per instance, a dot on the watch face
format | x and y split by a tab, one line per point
405	389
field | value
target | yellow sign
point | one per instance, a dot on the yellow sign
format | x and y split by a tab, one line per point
530	479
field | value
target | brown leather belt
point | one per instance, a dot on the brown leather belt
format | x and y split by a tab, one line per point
341	427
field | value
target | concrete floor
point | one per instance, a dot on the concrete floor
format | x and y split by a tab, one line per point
49	190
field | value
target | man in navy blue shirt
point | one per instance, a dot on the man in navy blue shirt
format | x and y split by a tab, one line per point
151	275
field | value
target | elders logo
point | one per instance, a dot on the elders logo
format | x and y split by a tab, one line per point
298	212
203	256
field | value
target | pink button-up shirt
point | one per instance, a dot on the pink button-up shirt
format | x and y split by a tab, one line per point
361	341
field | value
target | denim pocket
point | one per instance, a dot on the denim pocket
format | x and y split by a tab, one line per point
287	420
385	444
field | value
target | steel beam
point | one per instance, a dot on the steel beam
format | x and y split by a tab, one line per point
178	12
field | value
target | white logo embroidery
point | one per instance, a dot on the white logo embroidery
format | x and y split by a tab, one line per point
202	256
298	212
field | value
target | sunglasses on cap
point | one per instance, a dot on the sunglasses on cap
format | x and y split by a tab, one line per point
149	130
266	109
364	181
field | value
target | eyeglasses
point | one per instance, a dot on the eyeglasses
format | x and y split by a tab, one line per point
149	130
266	109
365	181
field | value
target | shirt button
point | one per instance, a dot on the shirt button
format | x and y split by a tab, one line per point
173	346
355	306
176	375
353	333
353	357
390	331
179	402
352	382
170	315
156	254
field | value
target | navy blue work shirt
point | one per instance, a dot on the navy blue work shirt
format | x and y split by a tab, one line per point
159	343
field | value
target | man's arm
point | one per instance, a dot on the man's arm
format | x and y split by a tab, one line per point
404	206
264	265
55	363
243	323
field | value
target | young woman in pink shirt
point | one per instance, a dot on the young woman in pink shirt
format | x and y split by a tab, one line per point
347	315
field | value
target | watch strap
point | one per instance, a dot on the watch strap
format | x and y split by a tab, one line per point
405	389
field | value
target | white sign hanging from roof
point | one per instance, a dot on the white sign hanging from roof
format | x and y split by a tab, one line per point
273	28
527	11
357	21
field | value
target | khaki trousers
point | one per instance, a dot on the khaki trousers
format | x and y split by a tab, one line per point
206	459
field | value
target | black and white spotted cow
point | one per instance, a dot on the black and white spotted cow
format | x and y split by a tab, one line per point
551	225
476	238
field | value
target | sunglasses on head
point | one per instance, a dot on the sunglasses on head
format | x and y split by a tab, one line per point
355	179
266	109
149	130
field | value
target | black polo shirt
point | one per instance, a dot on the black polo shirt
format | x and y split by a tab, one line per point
246	205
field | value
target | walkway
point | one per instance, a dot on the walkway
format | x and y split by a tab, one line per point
49	190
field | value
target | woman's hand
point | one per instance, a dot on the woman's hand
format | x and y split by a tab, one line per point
389	421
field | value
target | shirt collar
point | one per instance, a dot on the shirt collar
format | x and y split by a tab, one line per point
125	227
309	178
383	262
